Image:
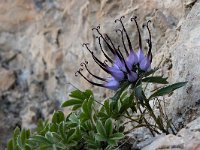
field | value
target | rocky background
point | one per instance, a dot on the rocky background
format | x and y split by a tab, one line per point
40	50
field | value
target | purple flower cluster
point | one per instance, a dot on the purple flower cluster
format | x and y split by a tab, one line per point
120	68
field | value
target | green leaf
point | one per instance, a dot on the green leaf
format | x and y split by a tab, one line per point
110	146
40	126
167	89
87	107
46	147
86	126
120	91
39	139
77	94
99	137
70	135
150	72
15	136
23	136
53	127
16	132
62	130
156	79
102	115
28	133
127	102
118	107
49	137
58	117
31	144
90	102
19	142
112	142
45	128
107	107
139	94
100	129
56	137
77	134
10	145
78	98
74	119
71	102
60	146
117	136
71	125
88	93
84	117
124	95
109	127
77	106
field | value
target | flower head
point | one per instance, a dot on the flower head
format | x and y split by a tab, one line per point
122	68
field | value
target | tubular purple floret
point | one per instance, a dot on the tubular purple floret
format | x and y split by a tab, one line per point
122	17
86	45
93	56
116	52
120	54
109	59
84	64
111	49
121	31
140	39
102	65
105	62
91	82
128	39
109	39
76	73
149	21
96	28
149	41
123	60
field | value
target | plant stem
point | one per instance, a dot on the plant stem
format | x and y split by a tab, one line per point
151	113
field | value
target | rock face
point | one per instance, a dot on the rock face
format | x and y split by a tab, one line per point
40	49
185	55
7	79
188	138
178	57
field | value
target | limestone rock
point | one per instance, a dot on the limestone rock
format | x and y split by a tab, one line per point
7	79
166	142
184	56
187	138
15	13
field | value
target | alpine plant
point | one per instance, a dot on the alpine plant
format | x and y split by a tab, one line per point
128	68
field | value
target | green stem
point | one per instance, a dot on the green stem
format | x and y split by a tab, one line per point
151	113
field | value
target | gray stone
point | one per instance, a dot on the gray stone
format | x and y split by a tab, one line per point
7	79
184	56
187	138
